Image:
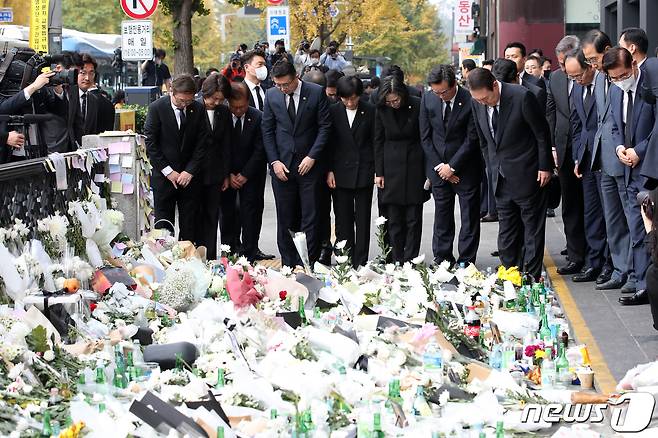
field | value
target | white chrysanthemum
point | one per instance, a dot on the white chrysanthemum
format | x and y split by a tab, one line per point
341	259
49	355
381	220
341	244
418	260
225	249
115	217
444	397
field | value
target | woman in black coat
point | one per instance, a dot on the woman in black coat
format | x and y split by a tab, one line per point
399	167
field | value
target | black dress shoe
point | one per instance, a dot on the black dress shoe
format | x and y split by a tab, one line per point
495	254
587	275
604	276
628	288
564	252
638	298
490	218
550	212
570	268
325	256
260	255
613	283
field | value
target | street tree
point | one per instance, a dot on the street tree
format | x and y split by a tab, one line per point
181	12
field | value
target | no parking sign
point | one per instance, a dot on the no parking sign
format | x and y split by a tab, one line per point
139	9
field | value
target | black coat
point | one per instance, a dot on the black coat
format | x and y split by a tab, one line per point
77	125
105	111
558	114
538	89
522	144
215	166
248	154
166	145
399	157
458	145
351	154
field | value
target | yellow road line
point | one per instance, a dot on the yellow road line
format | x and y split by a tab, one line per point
605	382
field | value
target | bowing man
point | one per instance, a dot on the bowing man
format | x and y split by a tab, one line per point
453	164
244	200
177	138
352	167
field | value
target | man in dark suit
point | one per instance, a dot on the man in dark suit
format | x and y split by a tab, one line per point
587	159
453	161
215	167
558	113
244	200
296	128
351	163
255	69
177	138
633	123
83	105
512	125
105	109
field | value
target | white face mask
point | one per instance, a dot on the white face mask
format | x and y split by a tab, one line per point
626	84
261	73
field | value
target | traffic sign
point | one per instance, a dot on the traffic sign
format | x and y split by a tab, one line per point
333	11
278	25
139	9
6	15
136	40
274	2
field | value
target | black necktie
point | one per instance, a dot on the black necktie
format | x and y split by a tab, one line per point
292	112
494	120
84	106
628	128
446	115
260	99
588	96
182	119
238	127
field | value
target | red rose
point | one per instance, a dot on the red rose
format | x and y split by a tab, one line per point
92	306
283	294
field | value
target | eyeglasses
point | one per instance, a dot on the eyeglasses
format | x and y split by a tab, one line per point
622	77
440	93
283	84
393	102
594	60
576	77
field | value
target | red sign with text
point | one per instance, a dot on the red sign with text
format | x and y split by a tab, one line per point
139	9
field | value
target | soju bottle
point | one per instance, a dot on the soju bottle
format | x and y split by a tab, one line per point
220	431
220	379
119	360
420	406
273	414
545	330
393	394
302	312
377	431
100	376
562	365
500	430
46	428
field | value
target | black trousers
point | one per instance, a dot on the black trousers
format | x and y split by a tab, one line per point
652	292
488	197
405	227
525	250
242	216
444	221
571	189
352	209
210	196
595	234
166	198
296	210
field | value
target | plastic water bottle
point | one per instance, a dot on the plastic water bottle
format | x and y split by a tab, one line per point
421	407
433	361
496	358
548	374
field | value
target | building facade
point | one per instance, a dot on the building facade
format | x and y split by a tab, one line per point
617	15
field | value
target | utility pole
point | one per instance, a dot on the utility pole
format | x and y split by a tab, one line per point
55	27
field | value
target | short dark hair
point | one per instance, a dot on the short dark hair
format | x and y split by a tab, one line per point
283	68
503	70
160	53
183	83
488	62
468	64
617	57
599	39
315	76
214	83
482	78
579	55
392	84
534	58
238	91
348	86
545	59
86	58
313	52
211	70
637	36
375	82
332	77
540	52
443	73
393	70
248	56
516	45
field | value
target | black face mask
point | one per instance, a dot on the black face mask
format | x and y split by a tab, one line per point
547	73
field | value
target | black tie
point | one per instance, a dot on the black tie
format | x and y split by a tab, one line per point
84	106
588	96
260	99
292	112
628	128
494	120
446	115
238	128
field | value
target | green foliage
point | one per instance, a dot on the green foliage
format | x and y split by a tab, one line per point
94	16
37	339
173	7
140	116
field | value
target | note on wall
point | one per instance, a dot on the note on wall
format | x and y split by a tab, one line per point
117	187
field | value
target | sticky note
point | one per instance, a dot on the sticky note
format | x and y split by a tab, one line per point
126	178
116	187
99	178
114	159
115	177
115	168
128	189
127	161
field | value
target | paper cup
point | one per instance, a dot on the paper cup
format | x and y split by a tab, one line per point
586	378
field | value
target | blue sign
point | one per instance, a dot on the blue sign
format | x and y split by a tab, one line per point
278	25
6	15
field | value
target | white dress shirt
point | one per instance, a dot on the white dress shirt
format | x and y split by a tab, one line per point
443	116
211	118
351	114
254	94
296	95
177	112
624	104
490	110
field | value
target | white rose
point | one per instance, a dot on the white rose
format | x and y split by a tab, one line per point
225	249
418	260
49	355
381	220
341	244
341	259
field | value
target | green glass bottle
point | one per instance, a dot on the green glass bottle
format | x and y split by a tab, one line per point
545	330
500	430
179	362
46	428
377	431
521	300
393	394
220	431
562	363
302	312
129	359
273	414
100	376
220	379
101	407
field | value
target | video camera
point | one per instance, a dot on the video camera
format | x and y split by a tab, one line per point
20	67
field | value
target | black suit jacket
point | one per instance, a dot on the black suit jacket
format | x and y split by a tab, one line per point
521	147
584	124
166	145
558	113
77	125
105	111
351	153
458	145
307	135
9	106
215	166
247	154
264	87
538	89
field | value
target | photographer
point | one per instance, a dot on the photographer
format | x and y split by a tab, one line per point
155	72
333	59
234	71
648	201
280	52
302	57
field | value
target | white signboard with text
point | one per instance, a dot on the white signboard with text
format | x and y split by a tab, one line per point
463	17
136	40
